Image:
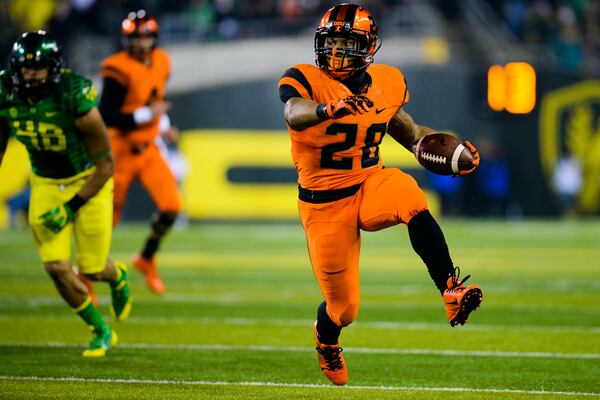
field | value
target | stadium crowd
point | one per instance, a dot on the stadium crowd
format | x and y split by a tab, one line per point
188	19
79	25
568	31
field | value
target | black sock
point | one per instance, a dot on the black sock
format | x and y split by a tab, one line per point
160	224
327	331
428	242
150	247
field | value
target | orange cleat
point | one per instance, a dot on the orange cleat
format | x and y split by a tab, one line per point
90	288
460	300
150	272
331	361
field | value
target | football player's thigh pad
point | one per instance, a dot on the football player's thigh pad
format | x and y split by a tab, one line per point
390	197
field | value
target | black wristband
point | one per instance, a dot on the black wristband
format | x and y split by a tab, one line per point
322	112
75	203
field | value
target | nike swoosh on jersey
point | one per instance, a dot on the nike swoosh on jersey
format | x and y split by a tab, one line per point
377	110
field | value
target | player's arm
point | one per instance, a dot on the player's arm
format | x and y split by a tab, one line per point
301	113
112	99
168	131
95	136
405	131
4	135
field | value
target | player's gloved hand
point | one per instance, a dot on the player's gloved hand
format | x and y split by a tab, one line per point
475	155
350	105
57	218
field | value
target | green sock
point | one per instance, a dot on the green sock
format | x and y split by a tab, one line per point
90	314
120	276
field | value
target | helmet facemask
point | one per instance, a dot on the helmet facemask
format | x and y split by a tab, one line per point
131	43
342	56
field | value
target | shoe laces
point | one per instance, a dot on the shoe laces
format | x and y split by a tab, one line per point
332	357
456	282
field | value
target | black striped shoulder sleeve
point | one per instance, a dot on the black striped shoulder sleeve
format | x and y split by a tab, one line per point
406	95
294	83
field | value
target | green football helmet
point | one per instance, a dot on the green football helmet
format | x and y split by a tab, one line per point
36	50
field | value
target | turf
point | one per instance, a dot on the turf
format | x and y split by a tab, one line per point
235	322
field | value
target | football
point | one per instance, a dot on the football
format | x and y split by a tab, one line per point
443	154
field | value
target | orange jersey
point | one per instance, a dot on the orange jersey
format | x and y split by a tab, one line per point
144	84
339	153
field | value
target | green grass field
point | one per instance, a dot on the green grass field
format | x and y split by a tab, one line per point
236	322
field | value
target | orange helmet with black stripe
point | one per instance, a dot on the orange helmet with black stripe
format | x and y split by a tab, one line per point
346	21
138	24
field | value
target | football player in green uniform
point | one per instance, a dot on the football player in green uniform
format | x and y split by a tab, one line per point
52	111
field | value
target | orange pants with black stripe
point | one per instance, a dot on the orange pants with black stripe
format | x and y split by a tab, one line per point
389	197
146	163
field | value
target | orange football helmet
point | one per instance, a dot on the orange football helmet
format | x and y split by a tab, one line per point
346	21
139	23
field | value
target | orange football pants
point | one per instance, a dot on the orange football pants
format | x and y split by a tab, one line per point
387	198
153	172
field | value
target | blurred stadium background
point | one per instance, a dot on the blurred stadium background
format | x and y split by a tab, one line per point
541	157
519	78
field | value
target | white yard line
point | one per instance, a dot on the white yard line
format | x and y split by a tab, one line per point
390	325
359	350
289	385
238	298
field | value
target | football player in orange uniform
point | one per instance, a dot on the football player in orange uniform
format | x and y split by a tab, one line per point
337	114
134	108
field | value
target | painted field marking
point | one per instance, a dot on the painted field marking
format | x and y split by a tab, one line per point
289	385
390	325
358	350
228	298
